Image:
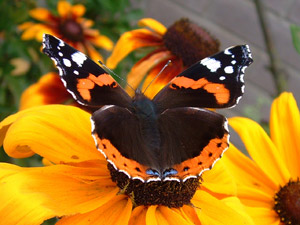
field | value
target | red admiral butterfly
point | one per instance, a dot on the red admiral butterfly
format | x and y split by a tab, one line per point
169	137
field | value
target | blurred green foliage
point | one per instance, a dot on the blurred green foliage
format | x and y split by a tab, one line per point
295	31
112	18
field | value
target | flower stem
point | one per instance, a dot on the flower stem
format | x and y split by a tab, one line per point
279	76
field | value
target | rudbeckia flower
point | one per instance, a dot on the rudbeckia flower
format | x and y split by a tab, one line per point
268	183
76	185
69	25
48	90
184	43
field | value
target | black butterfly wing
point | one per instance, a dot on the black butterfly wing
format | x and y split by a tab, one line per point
214	82
88	83
119	136
187	141
192	140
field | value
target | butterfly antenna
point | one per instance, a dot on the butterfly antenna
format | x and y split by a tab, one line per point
112	72
160	72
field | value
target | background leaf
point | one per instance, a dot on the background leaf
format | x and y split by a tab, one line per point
295	30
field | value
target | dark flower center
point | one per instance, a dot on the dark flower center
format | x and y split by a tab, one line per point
168	193
190	42
71	30
287	203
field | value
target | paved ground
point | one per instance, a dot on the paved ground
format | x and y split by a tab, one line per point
235	22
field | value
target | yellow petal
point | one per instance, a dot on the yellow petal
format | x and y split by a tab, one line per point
150	215
64	8
263	216
246	172
48	90
139	70
213	211
129	41
41	14
285	131
219	180
102	41
172	216
235	204
116	212
138	216
85	23
57	132
93	53
191	213
153	24
78	10
25	25
35	32
31	195
261	149
255	197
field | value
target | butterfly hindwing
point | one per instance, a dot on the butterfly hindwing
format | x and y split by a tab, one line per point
88	83
214	82
117	133
198	138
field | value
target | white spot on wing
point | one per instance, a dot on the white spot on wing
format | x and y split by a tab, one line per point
233	62
60	71
76	72
243	69
242	78
153	179
226	126
189	177
212	64
79	58
60	54
137	178
228	69
61	43
67	62
222	78
54	60
238	99
243	89
227	52
171	179
92	124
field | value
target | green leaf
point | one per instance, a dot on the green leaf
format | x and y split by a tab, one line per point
295	30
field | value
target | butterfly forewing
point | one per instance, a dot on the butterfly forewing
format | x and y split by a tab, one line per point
88	83
214	82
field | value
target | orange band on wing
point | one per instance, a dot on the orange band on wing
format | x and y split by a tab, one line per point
103	80
204	161
220	92
84	85
185	82
132	167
